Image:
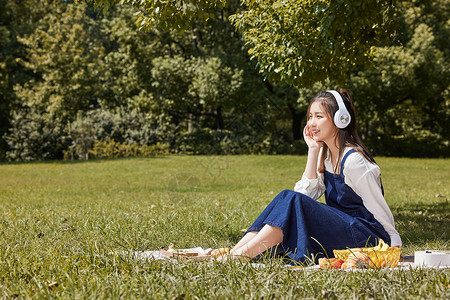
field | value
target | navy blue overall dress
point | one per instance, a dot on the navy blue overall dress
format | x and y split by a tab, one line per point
341	223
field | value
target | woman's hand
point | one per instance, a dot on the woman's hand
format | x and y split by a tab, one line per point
309	139
313	153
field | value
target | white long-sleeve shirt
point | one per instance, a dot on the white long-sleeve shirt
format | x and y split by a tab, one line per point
363	177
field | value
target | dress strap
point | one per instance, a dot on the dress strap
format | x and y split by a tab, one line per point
345	158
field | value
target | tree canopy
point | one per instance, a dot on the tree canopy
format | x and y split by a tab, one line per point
169	14
303	42
295	42
77	82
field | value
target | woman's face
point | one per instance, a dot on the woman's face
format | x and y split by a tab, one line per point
320	124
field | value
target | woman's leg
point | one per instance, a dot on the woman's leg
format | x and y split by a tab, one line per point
245	239
266	238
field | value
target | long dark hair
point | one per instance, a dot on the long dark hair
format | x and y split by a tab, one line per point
346	137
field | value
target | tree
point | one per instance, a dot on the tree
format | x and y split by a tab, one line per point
15	19
404	98
169	14
66	60
197	87
302	42
198	90
295	42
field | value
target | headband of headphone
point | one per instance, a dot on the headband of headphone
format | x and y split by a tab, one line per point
342	117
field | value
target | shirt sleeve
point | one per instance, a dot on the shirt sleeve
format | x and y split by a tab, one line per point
313	188
364	178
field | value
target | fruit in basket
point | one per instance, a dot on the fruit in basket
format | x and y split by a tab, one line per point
348	265
330	263
379	256
382	246
357	259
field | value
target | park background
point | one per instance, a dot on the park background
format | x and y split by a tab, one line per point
168	101
78	82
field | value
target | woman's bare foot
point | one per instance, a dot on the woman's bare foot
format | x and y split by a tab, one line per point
231	256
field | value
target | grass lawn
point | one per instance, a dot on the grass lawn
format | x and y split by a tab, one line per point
61	222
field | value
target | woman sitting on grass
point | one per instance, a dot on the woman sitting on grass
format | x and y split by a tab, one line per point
339	165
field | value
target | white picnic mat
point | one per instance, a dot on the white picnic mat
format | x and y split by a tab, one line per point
156	255
401	266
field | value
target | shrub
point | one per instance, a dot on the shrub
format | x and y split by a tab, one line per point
206	141
35	136
118	133
112	149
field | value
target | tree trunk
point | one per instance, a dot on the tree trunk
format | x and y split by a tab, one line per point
190	125
297	118
219	118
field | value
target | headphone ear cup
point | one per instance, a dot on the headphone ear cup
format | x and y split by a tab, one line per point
342	117
342	120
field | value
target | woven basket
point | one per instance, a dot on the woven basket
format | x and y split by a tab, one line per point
378	258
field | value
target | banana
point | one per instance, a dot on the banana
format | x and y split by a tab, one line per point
385	247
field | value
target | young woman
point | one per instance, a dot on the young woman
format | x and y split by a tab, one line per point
339	165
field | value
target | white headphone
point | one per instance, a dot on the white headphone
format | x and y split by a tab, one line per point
342	117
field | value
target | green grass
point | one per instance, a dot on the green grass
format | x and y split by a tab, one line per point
61	223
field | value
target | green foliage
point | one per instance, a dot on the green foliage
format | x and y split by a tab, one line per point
302	42
197	87
220	142
79	62
403	100
82	133
169	14
65	58
112	149
198	91
297	42
15	18
115	130
126	78
35	136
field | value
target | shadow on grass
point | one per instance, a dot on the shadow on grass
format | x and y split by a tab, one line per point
421	222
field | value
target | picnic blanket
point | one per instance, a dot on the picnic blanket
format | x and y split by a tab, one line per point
202	255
